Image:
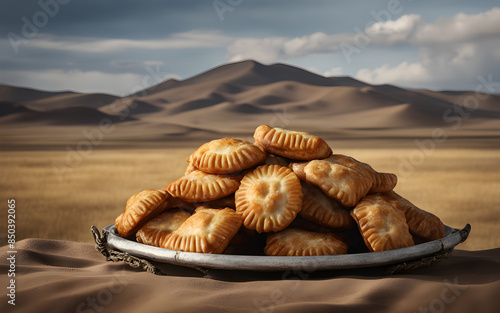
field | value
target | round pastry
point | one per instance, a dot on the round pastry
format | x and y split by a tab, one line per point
269	198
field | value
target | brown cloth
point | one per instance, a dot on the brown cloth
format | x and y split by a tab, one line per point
61	276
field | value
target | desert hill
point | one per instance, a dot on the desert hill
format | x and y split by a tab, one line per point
25	95
8	108
20	105
491	102
238	96
45	100
64	116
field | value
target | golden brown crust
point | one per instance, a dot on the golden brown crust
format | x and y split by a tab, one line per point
291	144
337	181
381	182
226	155
323	210
269	198
206	231
381	224
189	169
421	223
139	208
198	186
156	230
298	242
288	187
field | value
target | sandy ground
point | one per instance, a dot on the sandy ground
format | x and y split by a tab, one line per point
60	194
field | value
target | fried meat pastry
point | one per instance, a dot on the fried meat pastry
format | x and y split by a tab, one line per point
291	144
199	186
269	198
298	242
421	223
206	231
323	210
382	182
337	181
382	225
155	230
139	208
189	169
226	155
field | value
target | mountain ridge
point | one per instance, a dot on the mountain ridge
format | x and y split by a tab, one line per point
242	93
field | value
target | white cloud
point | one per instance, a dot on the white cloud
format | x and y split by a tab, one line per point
452	52
153	63
409	29
414	30
191	39
273	49
314	70
452	66
460	28
397	31
133	64
86	81
266	50
336	71
403	74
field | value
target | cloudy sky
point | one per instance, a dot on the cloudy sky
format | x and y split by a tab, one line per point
119	47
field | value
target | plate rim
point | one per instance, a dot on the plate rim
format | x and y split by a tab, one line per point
452	238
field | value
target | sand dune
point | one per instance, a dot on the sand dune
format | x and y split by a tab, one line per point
486	102
243	91
45	100
128	106
23	95
64	116
7	108
240	95
94	101
347	81
251	73
22	105
405	115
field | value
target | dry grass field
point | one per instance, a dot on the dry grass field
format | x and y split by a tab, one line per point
459	185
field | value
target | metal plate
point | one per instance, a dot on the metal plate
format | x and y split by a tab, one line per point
282	263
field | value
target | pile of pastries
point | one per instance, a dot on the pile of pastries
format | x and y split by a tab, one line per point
286	194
